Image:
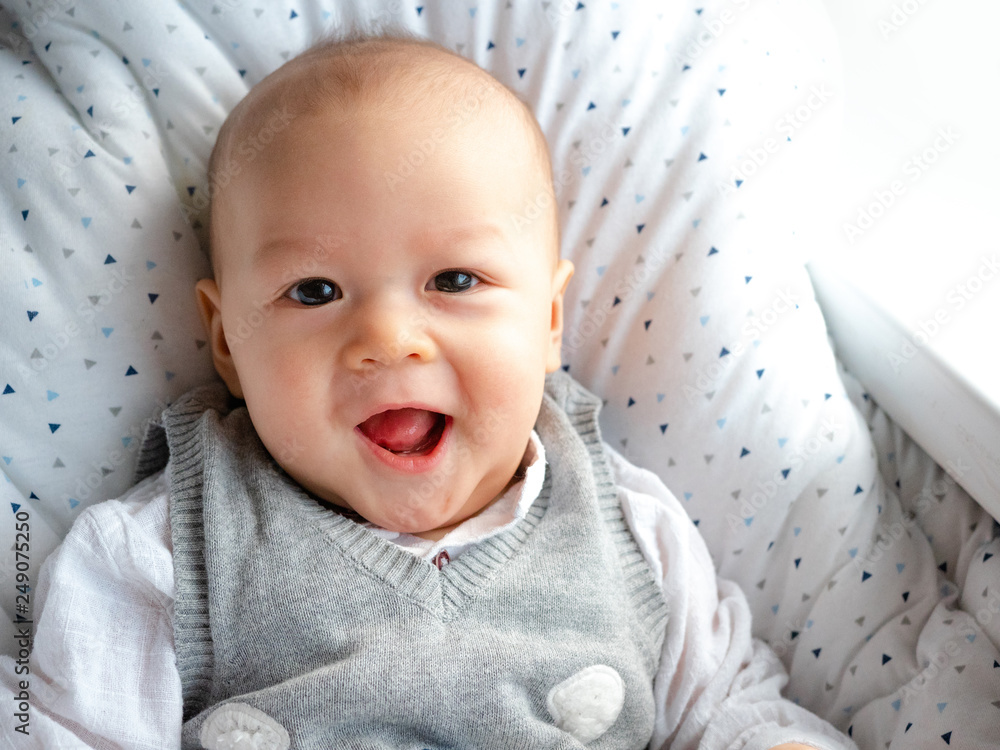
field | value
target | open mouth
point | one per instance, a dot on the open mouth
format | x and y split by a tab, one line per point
405	432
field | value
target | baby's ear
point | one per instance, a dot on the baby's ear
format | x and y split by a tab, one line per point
209	300
560	280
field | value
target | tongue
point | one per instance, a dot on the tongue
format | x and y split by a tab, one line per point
400	430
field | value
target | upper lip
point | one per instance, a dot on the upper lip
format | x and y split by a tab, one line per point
400	405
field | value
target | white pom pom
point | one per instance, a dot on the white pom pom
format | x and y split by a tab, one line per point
238	726
588	703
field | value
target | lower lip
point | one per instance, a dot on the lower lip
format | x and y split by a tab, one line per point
410	464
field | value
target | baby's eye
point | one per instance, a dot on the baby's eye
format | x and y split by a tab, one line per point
314	292
453	281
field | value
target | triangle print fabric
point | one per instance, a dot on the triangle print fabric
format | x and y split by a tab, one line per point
674	129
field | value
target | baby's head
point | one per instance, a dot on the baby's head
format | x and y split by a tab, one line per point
388	294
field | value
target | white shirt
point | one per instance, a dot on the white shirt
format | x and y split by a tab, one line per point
103	672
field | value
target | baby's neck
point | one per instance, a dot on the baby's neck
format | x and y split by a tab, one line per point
436	535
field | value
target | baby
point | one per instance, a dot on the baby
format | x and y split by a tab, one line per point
396	525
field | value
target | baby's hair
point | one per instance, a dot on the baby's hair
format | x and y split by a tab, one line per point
353	67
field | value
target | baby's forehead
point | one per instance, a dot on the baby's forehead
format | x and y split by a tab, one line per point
384	80
391	79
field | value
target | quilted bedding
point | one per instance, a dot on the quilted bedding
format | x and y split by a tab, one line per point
676	129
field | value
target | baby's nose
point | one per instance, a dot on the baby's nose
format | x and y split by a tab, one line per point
389	334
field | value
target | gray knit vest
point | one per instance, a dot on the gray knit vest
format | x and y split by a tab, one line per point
296	623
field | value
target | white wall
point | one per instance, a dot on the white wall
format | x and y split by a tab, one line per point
908	234
912	68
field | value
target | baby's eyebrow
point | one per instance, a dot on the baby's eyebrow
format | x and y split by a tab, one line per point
298	248
313	250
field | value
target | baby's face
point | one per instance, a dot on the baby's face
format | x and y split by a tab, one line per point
389	328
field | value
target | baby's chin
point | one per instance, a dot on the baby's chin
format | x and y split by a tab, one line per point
424	525
419	523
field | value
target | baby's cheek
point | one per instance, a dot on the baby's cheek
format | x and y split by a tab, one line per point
511	376
278	427
522	344
284	407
